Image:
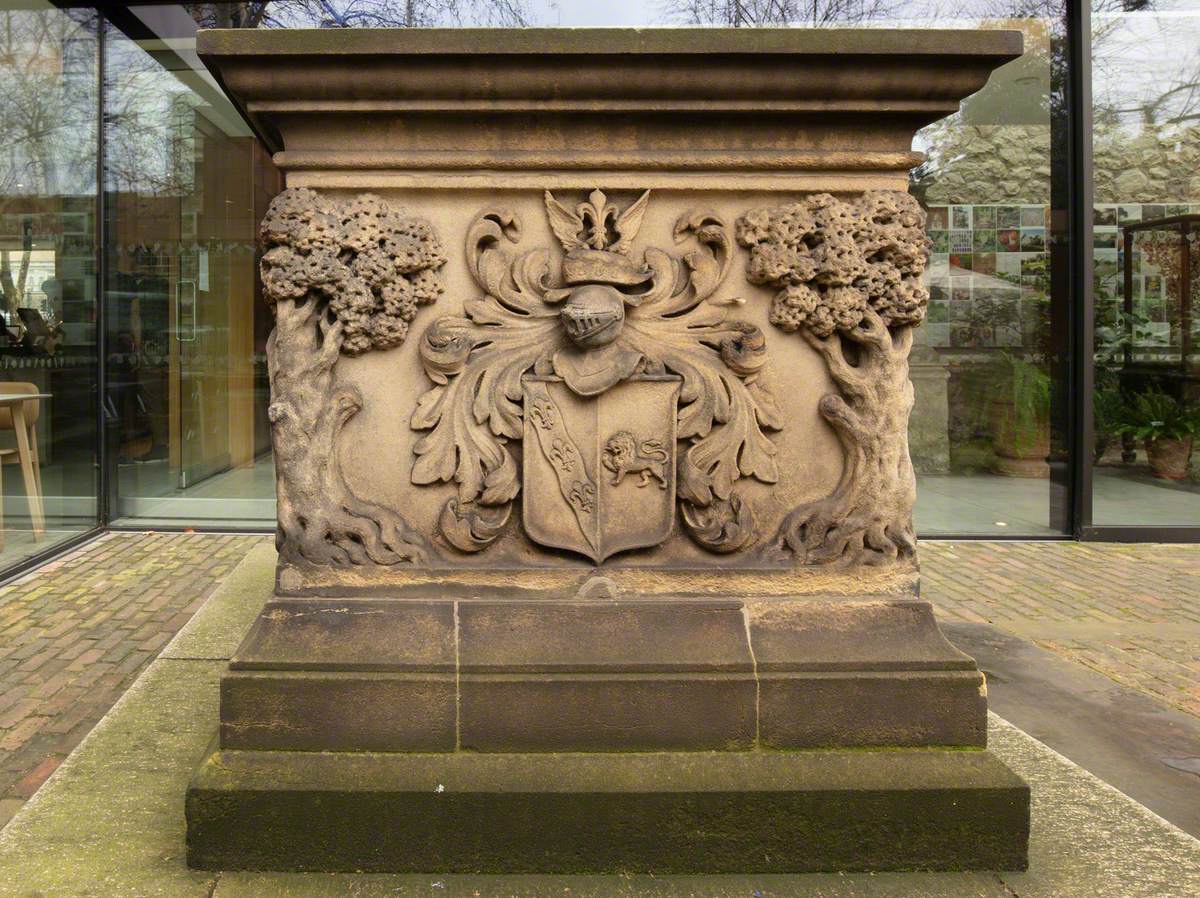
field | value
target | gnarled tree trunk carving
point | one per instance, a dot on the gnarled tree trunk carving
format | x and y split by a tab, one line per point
320	520
868	516
344	278
849	278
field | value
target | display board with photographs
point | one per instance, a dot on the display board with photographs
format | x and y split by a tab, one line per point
1154	291
988	274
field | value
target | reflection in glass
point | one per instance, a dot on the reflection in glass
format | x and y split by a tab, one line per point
981	433
185	183
1146	95
984	367
48	475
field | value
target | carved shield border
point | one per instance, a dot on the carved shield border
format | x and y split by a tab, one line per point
573	498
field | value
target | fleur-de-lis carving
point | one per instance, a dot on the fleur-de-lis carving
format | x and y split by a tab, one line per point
596	223
583	496
563	455
595	215
544	416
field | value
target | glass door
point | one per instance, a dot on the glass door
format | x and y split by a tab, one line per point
1145	467
181	175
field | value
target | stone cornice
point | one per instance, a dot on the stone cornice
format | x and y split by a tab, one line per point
613	100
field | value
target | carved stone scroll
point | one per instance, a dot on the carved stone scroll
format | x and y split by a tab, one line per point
849	279
342	278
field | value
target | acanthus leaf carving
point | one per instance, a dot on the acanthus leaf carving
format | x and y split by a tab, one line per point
614	319
725	526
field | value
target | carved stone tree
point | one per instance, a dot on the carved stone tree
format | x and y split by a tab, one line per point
342	278
849	279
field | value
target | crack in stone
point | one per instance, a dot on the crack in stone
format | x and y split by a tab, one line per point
754	669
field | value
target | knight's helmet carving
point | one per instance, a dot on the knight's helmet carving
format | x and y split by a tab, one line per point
601	277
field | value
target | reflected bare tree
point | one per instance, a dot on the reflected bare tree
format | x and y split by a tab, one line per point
360	13
47	123
766	13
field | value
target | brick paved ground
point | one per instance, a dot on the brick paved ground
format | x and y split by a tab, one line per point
1131	612
75	634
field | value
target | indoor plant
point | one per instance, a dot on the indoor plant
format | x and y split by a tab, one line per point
1167	428
1019	416
1107	406
1015	388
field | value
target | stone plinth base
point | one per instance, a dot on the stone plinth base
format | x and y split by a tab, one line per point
660	812
388	675
653	735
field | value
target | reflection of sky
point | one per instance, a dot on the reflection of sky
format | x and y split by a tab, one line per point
664	12
644	13
1142	57
1138	56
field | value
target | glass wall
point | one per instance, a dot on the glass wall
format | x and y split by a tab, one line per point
1146	148
988	428
48	145
185	184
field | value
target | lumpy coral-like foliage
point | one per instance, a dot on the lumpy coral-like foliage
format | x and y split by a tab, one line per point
832	260
374	264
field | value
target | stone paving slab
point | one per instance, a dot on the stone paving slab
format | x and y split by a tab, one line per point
229	613
109	824
880	885
76	632
1088	839
1127	738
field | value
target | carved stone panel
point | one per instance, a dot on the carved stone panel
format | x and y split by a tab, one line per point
611	335
704	430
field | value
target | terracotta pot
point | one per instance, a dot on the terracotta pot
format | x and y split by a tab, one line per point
1020	452
1169	458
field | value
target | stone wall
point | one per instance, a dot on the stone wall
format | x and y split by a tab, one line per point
990	164
1011	163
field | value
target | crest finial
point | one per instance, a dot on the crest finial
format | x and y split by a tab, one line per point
596	223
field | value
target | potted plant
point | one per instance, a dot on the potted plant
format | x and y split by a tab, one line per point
1014	389
1166	427
1019	416
1117	332
1107	407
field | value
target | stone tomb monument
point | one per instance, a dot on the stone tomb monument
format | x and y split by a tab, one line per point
590	394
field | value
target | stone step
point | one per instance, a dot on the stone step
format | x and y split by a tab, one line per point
663	812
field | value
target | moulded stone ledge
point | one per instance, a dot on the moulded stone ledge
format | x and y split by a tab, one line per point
688	674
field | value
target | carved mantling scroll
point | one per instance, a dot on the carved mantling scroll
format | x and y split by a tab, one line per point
849	279
613	322
342	278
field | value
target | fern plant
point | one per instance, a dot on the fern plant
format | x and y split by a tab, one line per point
1155	415
1030	393
1020	395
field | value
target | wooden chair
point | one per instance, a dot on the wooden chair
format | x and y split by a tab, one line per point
4	456
26	452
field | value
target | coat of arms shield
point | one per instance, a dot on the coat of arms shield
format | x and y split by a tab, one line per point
599	472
